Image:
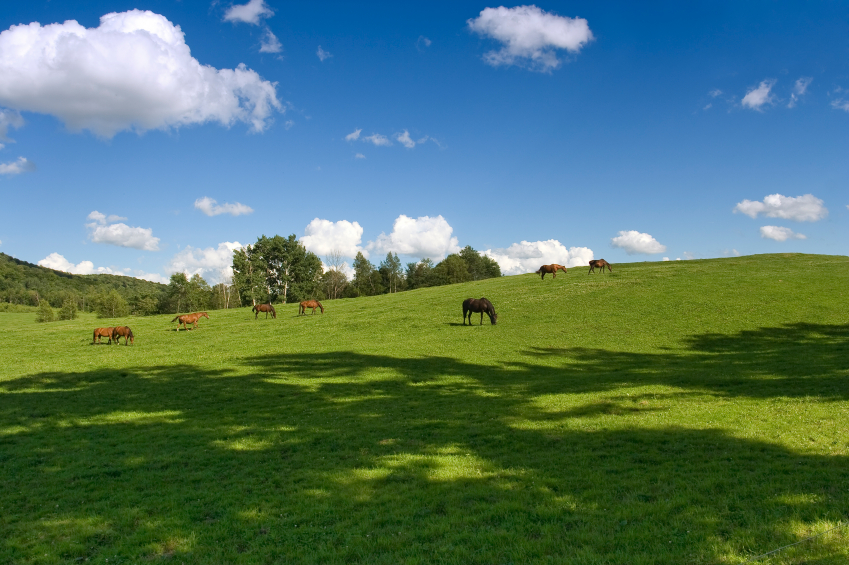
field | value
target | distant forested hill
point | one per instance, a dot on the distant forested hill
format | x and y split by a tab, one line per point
28	284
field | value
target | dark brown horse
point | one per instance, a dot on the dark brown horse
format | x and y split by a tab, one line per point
126	333
600	263
102	332
478	305
189	319
310	304
264	308
553	268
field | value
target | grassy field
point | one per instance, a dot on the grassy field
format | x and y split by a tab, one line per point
675	412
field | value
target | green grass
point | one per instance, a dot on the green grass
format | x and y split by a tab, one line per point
677	412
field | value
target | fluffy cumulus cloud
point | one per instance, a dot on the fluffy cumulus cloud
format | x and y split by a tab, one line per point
780	233
422	237
102	229
212	263
634	242
323	236
527	256
210	207
530	37
806	208
22	165
799	90
759	97
251	13
133	72
59	263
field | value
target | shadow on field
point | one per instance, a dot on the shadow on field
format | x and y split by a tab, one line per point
349	457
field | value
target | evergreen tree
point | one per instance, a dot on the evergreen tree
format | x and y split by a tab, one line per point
45	312
391	273
68	311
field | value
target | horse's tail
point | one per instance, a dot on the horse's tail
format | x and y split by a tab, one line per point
94	335
175	319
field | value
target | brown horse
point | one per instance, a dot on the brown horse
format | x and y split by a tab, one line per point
600	263
310	304
189	319
478	305
126	333
553	268
264	308
102	332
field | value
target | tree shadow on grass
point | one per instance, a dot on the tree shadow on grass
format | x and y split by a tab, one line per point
347	457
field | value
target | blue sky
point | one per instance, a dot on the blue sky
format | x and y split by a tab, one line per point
557	132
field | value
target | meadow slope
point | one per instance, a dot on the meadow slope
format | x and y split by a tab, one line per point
668	412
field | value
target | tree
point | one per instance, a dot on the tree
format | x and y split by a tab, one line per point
198	293
68	311
451	270
334	280
112	305
479	266
249	275
178	293
391	272
420	275
44	312
367	281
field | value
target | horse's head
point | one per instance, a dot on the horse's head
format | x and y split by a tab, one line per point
493	317
205	315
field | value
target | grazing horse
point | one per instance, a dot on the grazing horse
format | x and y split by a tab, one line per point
189	319
600	263
102	332
264	308
126	333
553	268
310	304
478	305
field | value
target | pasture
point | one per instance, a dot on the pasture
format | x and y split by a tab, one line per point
668	412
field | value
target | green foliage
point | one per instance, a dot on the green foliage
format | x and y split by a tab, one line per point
44	312
687	412
276	268
420	275
68	311
27	284
451	270
391	273
110	305
367	280
479	266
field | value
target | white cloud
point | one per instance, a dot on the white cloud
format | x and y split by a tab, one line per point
120	234
807	208
345	268
688	255
322	54
270	43
377	139
779	233
423	237
840	104
359	156
405	140
666	258
210	263
210	207
133	72
634	242
423	41
323	236
714	93
22	165
530	36
758	97
799	90
250	13
354	135
527	256
59	263
8	119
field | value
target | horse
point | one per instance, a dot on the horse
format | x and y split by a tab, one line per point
189	319
478	305
553	268
601	263
126	333
102	332
264	308
310	304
